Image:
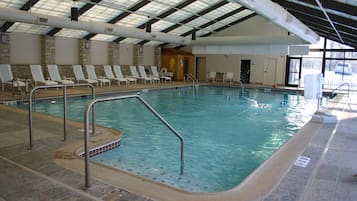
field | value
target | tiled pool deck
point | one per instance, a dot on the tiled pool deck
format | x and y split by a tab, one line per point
34	175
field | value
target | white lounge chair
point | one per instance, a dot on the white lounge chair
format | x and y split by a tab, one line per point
38	78
134	74
54	75
119	74
212	76
228	76
93	76
109	75
156	74
78	73
145	77
8	79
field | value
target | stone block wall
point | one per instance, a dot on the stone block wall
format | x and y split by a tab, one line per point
84	52
158	57
138	55
113	53
48	50
4	48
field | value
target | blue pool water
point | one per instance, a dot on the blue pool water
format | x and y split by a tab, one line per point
228	133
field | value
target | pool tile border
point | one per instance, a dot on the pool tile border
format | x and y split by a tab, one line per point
102	148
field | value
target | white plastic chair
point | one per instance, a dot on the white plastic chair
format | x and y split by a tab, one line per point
78	73
144	76
156	74
109	75
212	76
8	79
38	78
119	74
54	75
228	76
93	76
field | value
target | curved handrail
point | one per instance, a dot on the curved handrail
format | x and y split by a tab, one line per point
86	128
341	85
64	86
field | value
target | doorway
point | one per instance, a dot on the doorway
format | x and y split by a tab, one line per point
201	68
293	73
270	71
245	71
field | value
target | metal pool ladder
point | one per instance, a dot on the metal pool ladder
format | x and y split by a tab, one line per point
86	130
64	86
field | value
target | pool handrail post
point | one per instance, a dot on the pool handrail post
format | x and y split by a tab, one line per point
64	113
64	86
86	131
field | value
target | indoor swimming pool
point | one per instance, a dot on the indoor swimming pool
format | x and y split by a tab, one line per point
228	132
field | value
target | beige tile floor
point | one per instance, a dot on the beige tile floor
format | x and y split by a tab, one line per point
33	175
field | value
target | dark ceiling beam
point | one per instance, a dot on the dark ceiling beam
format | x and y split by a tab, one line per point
330	32
307	17
326	34
317	13
81	11
215	20
25	7
335	5
121	16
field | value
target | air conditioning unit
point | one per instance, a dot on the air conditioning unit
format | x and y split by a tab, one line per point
42	20
109	30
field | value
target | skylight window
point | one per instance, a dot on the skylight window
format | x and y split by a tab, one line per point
180	30
12	3
131	40
29	28
100	13
133	20
153	9
161	25
54	7
178	16
104	37
72	33
122	3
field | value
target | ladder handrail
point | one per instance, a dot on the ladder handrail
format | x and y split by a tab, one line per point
86	128
64	86
341	85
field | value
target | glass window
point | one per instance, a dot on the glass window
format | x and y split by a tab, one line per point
29	28
104	37
72	33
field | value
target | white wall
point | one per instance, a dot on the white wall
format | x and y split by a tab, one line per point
149	55
67	51
99	52
126	54
231	63
256	26
25	48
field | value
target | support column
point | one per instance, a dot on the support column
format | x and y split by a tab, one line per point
138	55
158	57
113	53
84	52
48	50
4	48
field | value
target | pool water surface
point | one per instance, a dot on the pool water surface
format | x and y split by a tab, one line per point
228	133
